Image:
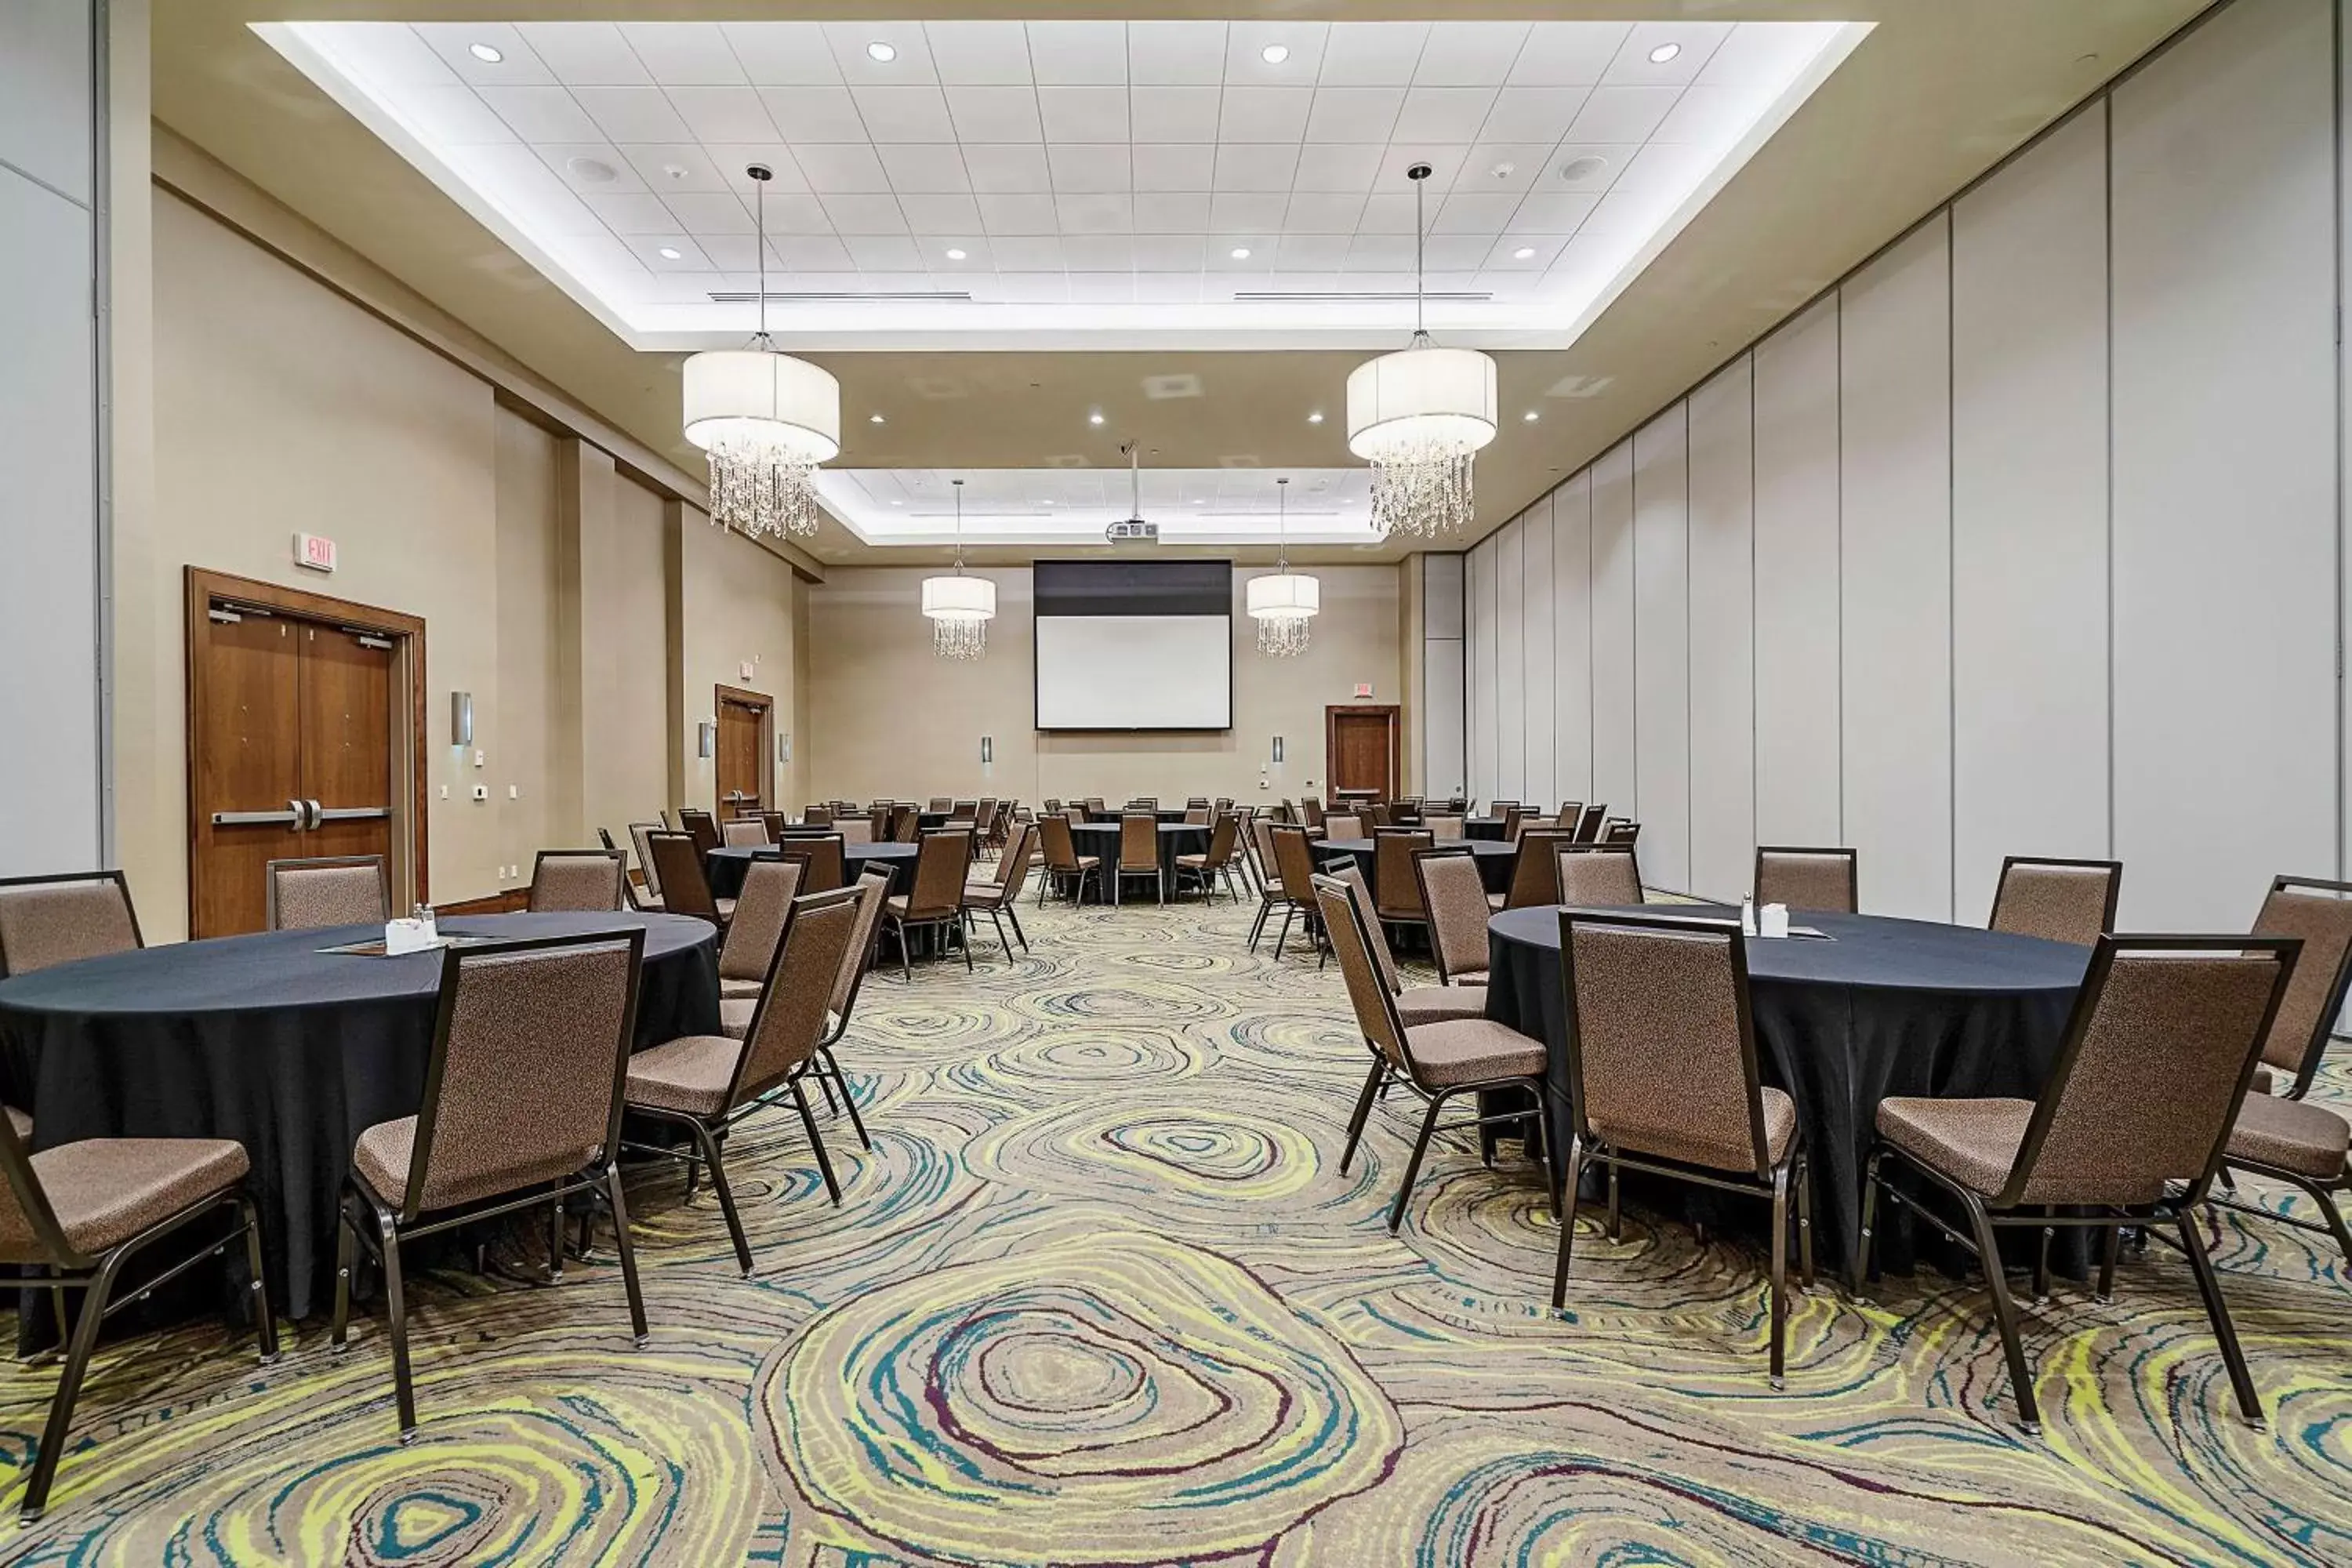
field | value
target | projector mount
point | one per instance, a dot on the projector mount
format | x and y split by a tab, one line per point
1134	530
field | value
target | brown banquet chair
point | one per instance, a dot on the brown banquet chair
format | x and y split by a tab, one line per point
324	890
872	887
59	918
1535	875
1415	1005
701	824
1294	869
745	832
1064	867
999	896
1599	877
1456	897
2057	900
1139	852
1804	878
1396	892
640	833
823	858
748	948
935	898
1214	862
587	881
686	888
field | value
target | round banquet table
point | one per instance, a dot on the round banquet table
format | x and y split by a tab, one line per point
291	1051
1177	837
1495	860
1482	828
725	866
1884	1008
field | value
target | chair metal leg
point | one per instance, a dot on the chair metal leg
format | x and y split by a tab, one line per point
963	922
1012	913
1616	1232
726	1197
1412	1165
1570	1179
395	1301
1283	934
2111	1243
346	1259
1861	1269
1780	1287
70	1380
848	1099
1257	926
2333	1215
2004	1310
265	1322
2250	1402
628	1252
2041	1259
808	1120
1364	1111
555	1236
1802	1179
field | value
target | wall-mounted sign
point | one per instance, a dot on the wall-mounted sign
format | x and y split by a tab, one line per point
317	554
1363	689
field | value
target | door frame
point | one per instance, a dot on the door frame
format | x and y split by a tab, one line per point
1393	712
743	697
408	752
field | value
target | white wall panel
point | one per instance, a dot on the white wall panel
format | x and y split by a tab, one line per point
47	93
2030	511
1661	646
1797	738
2224	449
1571	578
1895	499
1615	777
1481	651
1444	728
1535	634
1510	665
1722	634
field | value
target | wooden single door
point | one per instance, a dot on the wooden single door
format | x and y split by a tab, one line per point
1361	749
347	742
245	750
742	752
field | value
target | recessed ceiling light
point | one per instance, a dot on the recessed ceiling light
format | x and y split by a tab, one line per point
878	50
1523	253
1275	54
896	503
1531	415
670	253
876	419
1663	53
1315	417
1240	253
1583	168
954	254
1095	418
484	53
595	171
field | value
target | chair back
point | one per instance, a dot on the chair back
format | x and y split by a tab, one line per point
905	821
1571	817
2164	1038
1222	840
788	1019
1806	878
1396	892
1374	817
1442	824
1618	831
327	890
758	923
1139	841
776	823
56	919
984	818
587	881
1343	825
1061	849
1310	811
1535	877
1589	830
1260	831
1596	876
815	817
1515	821
1660	1043
1456	897
1196	815
1294	863
2321	914
1014	860
629	899
872	888
2057	900
686	888
530	1046
639	834
1359	893
854	830
744	833
824	866
939	866
701	824
1367	992
1224	803
940	802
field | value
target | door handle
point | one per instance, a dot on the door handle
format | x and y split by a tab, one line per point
317	815
301	815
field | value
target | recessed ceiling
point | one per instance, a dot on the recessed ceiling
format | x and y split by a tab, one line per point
1073	506
1000	184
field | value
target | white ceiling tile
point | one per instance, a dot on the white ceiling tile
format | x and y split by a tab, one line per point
1101	287
1245	46
1622	113
1255	166
1445	253
1172	287
728	161
783	54
1390	212
1007	170
1027	253
1567	54
1443	115
1338	168
684	54
453	41
526	188
926	169
1693	42
1175	54
1095	213
1533	113
1250	212
1174	113
1380	252
1445	167
1093	114
814	253
1505	166
1220	258
1373	54
883	253
1708	114
1610	158
632	113
1083	169
1541	249
1561	212
585	54
633	212
1317	213
1756	54
940	214
1470	211
586	167
1174	168
841	169
1469	54
979	253
1665	170
994	114
1311	252
1171	212
648	249
392	56
1169	252
682	168
540	113
1264	113
1099	252
1078	54
1359	114
792	215
734	253
722	114
864	214
1031	287
455	116
980	54
702	215
909	65
810	114
1509	282
893	114
1005	215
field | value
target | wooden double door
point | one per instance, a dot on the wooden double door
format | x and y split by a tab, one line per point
1361	750
292	749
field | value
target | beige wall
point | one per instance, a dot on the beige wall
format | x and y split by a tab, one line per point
627	724
735	608
888	717
530	685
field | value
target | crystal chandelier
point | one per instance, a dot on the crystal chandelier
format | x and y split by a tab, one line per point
1419	415
960	606
767	420
1284	604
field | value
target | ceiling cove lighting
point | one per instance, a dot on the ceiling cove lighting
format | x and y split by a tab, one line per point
766	419
1419	416
959	605
1284	604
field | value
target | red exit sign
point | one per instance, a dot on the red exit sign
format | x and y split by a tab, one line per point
315	553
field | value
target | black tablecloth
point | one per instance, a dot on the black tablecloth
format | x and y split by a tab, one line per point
726	866
1481	828
290	1051
1495	860
1885	1007
1177	837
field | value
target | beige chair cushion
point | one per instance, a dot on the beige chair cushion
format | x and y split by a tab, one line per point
735	1016
688	1075
106	1189
1473	1050
1973	1141
382	1158
1664	1139
1419	1004
2291	1135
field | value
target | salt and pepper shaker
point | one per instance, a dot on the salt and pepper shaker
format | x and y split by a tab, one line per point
1747	914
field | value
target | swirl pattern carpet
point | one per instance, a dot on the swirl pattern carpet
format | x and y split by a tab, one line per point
1100	1294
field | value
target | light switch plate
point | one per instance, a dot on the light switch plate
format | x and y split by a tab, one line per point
481	792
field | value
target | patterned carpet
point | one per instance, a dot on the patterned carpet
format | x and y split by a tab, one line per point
1099	1295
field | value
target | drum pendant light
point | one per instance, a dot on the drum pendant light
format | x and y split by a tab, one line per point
766	419
960	606
1284	604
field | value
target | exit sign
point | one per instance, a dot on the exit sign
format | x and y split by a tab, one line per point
1363	688
317	554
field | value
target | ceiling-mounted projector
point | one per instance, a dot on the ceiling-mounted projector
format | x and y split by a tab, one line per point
1134	530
